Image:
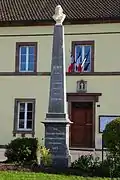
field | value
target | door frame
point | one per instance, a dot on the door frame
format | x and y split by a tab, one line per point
83	97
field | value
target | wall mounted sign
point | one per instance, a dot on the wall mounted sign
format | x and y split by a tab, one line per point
104	120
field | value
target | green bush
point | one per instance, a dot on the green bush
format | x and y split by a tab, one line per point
86	163
22	150
111	136
103	169
46	157
90	166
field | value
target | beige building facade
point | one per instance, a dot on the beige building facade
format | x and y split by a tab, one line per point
25	62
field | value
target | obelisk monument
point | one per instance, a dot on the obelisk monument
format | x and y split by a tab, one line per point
57	122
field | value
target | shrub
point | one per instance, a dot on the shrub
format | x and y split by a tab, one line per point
46	158
22	150
90	166
111	136
86	163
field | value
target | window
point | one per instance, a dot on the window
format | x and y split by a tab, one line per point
26	57
24	115
83	54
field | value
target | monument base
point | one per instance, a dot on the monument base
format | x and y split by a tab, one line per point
57	140
61	162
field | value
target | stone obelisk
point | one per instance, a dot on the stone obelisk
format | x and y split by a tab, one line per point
57	122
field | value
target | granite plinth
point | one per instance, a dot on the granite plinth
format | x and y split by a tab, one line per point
57	140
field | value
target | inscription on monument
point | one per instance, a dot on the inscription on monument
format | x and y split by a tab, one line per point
56	95
55	137
57	73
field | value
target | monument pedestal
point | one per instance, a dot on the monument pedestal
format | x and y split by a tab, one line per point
57	140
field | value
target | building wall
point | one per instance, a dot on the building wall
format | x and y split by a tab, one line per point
107	40
36	88
106	37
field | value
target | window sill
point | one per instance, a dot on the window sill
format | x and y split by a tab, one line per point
76	73
25	73
23	133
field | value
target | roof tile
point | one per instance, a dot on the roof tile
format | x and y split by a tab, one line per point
27	10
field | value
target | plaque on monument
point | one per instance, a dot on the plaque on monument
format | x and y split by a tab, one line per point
55	135
57	140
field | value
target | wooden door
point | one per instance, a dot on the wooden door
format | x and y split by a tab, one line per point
82	127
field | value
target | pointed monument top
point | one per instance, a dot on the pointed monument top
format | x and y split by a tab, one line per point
59	16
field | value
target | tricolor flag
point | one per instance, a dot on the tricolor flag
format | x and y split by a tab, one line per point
78	62
72	65
84	62
77	66
82	67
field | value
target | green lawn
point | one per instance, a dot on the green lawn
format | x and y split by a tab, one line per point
40	176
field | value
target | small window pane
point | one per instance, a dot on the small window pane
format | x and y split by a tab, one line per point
32	50
21	124
23	58
87	66
29	124
78	50
23	63
22	106
78	54
31	66
23	49
31	58
29	106
23	67
87	50
21	115
29	115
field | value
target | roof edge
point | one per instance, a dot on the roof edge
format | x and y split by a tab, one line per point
66	22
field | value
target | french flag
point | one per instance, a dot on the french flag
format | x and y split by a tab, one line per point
71	67
77	66
82	67
78	63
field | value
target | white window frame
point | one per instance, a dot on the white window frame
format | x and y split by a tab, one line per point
27	58
25	117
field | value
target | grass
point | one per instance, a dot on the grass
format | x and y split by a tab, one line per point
7	175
